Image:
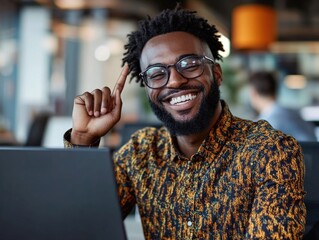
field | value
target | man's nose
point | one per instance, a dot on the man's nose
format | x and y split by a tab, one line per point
176	79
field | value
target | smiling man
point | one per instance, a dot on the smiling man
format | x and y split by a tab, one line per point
205	174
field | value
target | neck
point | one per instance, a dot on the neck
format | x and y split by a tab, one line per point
188	145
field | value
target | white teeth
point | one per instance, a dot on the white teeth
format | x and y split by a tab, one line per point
182	98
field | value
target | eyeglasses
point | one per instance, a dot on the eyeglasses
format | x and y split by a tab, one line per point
157	75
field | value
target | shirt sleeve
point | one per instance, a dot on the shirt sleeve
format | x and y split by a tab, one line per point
278	210
68	144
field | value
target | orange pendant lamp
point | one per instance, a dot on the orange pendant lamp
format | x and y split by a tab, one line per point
253	27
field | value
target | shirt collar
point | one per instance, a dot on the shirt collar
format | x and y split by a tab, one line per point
219	134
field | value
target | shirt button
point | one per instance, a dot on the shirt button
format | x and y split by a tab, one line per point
189	223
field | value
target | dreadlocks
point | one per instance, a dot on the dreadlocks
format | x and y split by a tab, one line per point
169	20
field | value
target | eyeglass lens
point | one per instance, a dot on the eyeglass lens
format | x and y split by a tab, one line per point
189	67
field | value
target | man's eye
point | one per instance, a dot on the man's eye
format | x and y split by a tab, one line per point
157	76
190	67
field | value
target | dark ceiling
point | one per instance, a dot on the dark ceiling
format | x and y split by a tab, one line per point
296	20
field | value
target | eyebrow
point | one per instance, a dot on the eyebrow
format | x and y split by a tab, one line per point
186	55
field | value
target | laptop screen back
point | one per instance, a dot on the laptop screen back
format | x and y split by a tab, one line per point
58	194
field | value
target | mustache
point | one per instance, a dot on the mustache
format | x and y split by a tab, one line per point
172	91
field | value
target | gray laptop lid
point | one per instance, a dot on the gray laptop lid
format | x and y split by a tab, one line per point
58	194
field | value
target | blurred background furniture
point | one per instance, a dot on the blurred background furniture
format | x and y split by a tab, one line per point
37	129
311	156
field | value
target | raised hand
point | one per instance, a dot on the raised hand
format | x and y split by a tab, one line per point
95	113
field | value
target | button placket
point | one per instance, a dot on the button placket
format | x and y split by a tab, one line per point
191	193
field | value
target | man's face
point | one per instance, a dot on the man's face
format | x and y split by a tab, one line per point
184	105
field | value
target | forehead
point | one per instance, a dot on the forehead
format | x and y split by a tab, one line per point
166	48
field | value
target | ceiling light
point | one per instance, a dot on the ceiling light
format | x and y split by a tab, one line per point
253	26
295	81
102	53
70	4
110	48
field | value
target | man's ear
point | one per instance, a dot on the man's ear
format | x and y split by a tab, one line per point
218	74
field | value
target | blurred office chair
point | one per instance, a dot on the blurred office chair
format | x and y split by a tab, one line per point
313	233
37	128
311	156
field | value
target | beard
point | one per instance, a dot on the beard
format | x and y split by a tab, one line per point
201	120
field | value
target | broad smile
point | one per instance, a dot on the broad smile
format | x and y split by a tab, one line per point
182	99
182	102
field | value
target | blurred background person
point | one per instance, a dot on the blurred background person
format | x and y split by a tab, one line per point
263	98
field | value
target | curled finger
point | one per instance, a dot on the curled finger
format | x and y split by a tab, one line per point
97	97
106	100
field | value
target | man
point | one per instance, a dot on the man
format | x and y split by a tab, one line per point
206	174
263	96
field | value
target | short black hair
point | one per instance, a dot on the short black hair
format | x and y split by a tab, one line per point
264	82
169	20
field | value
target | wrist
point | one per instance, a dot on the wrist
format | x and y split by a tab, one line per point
80	139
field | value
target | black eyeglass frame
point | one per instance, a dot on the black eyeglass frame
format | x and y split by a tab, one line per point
167	67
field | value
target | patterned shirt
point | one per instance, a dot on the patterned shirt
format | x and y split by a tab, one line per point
244	182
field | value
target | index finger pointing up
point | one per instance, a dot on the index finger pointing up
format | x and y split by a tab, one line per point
122	79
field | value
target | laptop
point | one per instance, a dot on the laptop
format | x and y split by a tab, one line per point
58	194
